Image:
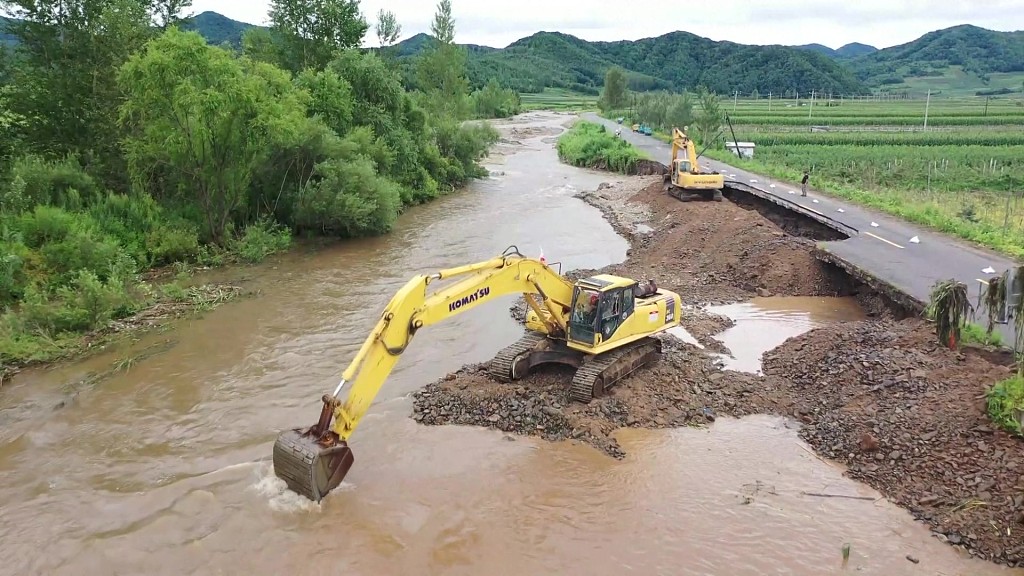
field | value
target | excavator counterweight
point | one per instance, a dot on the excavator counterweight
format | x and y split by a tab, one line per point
604	326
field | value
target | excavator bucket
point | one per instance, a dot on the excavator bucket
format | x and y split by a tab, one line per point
311	464
315	461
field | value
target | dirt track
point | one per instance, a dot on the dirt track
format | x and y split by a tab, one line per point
879	396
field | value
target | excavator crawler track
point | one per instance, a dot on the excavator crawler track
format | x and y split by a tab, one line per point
694	195
501	366
600	373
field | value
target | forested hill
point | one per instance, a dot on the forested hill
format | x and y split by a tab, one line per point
682	60
975	50
845	52
673	61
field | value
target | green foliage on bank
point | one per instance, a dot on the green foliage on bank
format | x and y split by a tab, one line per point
590	145
127	143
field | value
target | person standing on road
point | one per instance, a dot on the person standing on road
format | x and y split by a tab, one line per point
803	184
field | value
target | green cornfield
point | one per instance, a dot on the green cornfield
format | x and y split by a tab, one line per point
876	138
804	120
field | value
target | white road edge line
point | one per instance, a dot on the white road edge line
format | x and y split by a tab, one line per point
883	240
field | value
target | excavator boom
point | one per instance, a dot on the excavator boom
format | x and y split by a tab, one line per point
314	461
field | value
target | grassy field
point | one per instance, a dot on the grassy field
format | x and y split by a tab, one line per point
557	99
963	175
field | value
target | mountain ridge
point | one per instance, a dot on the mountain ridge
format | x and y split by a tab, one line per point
679	59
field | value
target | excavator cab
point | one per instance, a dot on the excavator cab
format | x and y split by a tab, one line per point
598	312
682	166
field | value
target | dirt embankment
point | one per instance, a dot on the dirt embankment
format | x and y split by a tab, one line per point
906	415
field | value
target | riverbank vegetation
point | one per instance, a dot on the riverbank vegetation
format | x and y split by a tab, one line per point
590	145
127	143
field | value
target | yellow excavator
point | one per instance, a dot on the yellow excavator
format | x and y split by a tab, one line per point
601	325
685	180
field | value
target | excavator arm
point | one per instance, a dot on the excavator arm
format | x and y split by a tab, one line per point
685	179
681	141
314	461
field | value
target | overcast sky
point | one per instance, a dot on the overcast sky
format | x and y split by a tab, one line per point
880	23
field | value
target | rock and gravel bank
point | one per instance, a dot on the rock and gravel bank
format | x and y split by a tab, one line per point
904	414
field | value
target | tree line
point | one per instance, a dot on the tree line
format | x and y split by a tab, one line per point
128	143
698	112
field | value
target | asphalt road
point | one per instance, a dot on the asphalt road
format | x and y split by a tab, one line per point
884	246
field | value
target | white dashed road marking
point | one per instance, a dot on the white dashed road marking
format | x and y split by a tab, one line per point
883	240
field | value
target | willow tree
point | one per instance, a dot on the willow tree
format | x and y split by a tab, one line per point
202	120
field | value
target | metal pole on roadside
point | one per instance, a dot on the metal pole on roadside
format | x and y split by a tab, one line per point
927	103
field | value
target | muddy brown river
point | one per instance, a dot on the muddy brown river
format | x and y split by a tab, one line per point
165	467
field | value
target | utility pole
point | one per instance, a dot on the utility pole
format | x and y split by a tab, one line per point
927	103
735	99
769	101
811	109
986	105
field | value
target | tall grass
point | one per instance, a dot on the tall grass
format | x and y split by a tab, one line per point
590	145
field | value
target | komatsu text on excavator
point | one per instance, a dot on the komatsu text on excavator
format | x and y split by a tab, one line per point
602	326
685	180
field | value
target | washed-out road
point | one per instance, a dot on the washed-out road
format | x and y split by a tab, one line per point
908	257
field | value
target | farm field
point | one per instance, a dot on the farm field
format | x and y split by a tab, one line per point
963	174
558	100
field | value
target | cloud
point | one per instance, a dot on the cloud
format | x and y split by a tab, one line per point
880	23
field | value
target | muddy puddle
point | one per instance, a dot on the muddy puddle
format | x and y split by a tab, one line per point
163	467
763	324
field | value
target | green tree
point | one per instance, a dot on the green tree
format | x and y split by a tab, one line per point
710	117
313	31
493	101
614	93
388	29
198	115
441	70
63	85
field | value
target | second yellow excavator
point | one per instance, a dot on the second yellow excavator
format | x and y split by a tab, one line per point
601	325
685	180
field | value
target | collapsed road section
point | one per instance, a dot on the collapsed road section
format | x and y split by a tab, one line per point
880	395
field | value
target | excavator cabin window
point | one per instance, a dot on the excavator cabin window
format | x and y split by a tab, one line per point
595	311
616	307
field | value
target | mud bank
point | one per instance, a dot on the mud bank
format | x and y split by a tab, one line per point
880	396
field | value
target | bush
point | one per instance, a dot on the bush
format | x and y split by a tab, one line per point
590	145
262	239
493	101
1004	401
63	183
